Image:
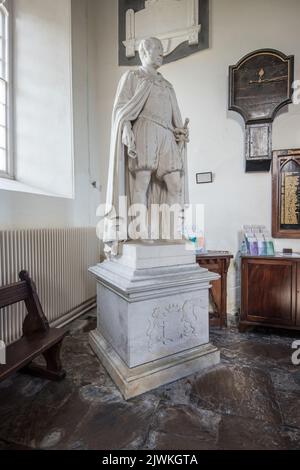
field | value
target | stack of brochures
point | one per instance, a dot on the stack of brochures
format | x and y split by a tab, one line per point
258	241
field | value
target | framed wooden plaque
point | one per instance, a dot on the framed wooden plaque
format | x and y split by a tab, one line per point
260	84
286	194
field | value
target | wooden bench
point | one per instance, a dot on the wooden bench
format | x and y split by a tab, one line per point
38	338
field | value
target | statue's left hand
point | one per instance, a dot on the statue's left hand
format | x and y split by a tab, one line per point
181	134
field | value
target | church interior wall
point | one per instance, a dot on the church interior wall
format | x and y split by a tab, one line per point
235	198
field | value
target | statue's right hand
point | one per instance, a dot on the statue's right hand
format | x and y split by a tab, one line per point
128	139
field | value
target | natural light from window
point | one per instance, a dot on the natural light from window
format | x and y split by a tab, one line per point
4	163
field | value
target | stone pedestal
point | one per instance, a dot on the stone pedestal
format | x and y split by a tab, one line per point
152	316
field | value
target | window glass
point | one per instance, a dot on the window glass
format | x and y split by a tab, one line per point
5	163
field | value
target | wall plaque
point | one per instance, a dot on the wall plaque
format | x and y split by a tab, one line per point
181	25
259	85
286	194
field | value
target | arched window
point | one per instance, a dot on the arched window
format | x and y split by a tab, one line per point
5	66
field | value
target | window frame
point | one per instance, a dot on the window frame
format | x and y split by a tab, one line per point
6	6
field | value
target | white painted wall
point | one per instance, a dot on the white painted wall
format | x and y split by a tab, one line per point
43	95
48	131
217	135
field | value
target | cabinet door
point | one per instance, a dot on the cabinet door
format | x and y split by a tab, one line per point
269	291
298	295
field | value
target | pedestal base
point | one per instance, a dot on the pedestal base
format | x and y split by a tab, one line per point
152	316
137	380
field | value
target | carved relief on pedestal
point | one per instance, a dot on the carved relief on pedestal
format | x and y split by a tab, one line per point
171	21
173	323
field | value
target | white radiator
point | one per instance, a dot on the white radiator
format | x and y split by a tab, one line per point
58	261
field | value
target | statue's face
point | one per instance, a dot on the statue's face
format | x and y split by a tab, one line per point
154	55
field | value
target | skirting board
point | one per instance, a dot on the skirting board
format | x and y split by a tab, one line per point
141	379
75	313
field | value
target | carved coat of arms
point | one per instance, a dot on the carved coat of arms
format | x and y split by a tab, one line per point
173	323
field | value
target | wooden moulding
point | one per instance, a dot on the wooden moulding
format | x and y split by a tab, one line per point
280	159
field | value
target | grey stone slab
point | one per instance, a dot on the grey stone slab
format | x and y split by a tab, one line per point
241	391
184	427
237	433
289	403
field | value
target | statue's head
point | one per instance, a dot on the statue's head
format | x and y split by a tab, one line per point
151	52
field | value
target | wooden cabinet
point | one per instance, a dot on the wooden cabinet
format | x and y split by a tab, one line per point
217	262
270	291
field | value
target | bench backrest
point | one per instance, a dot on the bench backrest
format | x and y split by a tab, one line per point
13	293
25	290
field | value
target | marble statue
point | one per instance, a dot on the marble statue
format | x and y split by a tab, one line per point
152	299
148	143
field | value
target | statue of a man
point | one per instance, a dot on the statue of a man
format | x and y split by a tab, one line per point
147	158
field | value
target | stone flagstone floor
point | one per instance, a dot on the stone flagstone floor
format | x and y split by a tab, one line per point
250	401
